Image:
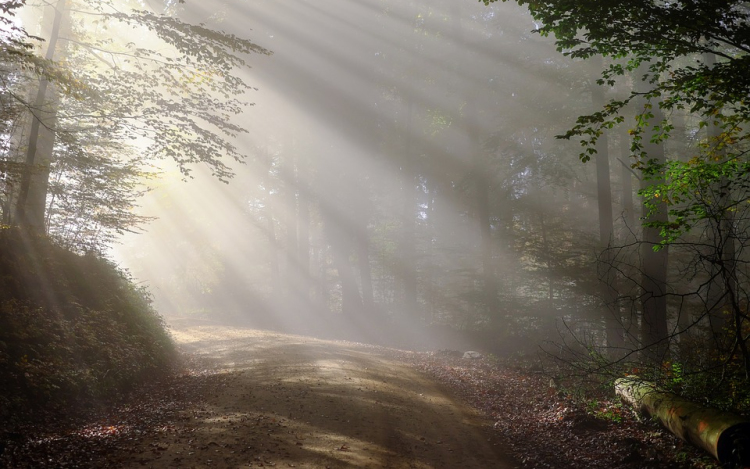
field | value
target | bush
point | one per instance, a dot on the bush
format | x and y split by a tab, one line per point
72	328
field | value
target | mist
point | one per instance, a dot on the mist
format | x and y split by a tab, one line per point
374	233
402	179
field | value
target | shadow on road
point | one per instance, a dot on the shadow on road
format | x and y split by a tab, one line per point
292	401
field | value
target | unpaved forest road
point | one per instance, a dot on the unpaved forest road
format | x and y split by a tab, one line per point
291	401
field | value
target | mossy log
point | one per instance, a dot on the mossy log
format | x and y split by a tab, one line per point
726	436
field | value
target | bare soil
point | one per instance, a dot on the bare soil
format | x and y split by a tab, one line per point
292	401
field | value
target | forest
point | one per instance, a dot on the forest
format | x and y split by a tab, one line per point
559	185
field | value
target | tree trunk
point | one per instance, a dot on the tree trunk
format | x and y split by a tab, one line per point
724	435
303	224
273	253
481	184
654	288
679	136
407	259
36	201
292	274
273	242
548	260
722	289
340	240
626	180
365	272
679	141
653	262
607	273
322	292
32	193
481	179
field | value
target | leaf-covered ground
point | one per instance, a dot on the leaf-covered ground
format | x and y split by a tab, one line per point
91	438
165	424
276	400
549	427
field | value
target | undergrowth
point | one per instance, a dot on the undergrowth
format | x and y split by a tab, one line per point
74	329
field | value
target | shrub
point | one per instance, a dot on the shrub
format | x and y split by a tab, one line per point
72	328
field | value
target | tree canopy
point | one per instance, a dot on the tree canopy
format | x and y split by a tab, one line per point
689	56
665	62
111	108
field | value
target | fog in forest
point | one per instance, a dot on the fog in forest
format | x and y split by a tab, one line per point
402	178
213	214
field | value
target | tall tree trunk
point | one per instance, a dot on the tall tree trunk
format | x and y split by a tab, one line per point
36	202
607	273
626	181
680	144
340	240
292	275
481	184
273	253
270	229
360	216
32	193
303	224
654	285
653	262
679	135
481	178
407	259
547	260
322	291
365	271
351	302
722	289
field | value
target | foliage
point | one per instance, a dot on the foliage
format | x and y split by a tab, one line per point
72	327
183	101
689	56
16	45
611	412
699	191
171	92
676	58
93	189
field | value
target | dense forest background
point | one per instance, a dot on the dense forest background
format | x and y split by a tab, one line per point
402	166
405	181
400	176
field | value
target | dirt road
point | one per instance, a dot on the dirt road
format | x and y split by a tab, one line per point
290	401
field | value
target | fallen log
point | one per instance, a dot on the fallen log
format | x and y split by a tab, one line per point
726	436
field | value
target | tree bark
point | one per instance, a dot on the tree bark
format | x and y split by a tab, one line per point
32	192
407	259
351	301
292	274
654	288
723	435
626	181
365	271
722	289
481	179
303	224
481	184
548	260
273	252
653	262
607	273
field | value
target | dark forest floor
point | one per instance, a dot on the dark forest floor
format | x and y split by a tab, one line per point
540	426
551	428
